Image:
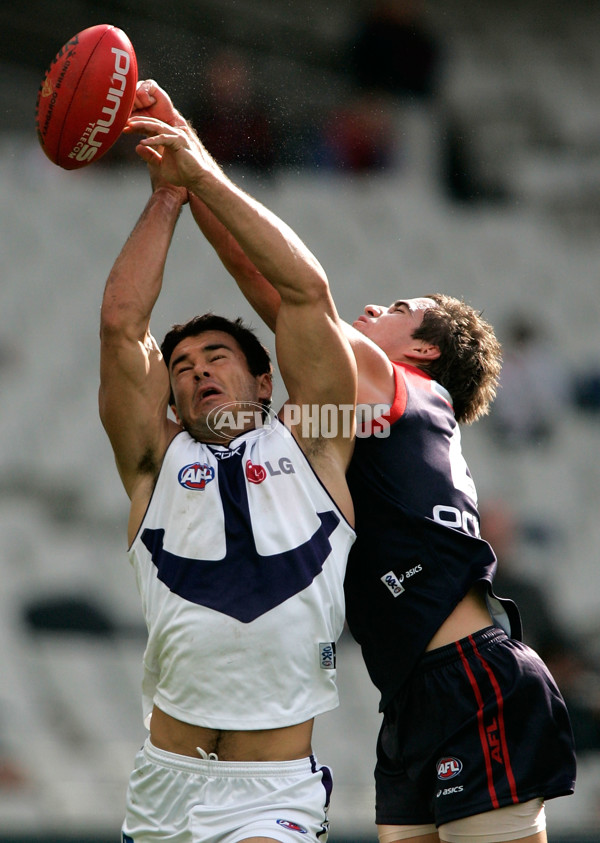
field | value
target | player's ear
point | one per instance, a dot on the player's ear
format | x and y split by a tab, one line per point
424	351
265	385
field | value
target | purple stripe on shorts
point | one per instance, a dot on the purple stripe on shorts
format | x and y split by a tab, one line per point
326	778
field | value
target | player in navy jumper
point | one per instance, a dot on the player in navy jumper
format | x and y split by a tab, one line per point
475	734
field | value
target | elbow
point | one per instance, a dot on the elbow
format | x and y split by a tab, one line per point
112	322
317	290
117	325
312	287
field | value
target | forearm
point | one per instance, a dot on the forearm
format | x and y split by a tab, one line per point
261	245
274	249
135	280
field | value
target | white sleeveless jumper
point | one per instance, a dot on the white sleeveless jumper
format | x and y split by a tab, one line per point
240	561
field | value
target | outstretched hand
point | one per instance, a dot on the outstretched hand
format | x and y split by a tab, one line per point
151	101
174	153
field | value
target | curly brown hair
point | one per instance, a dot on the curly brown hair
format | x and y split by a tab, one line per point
470	355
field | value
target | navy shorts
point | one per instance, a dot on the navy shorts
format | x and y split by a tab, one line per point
482	725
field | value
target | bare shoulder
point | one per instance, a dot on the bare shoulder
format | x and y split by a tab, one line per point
374	369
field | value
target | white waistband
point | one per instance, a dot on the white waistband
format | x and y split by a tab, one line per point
214	768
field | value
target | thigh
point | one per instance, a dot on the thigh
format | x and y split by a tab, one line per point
259	840
525	821
407	833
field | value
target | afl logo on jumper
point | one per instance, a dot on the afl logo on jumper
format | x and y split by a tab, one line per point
196	476
448	768
243	583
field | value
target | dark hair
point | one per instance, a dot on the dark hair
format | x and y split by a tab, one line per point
470	355
257	356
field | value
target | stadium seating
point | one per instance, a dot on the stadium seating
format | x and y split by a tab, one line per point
525	86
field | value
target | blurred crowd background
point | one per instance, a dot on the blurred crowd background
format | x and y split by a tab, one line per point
448	145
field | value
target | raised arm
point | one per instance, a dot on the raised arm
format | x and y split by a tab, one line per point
314	357
152	101
375	378
134	383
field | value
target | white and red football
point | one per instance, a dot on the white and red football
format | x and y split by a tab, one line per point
86	96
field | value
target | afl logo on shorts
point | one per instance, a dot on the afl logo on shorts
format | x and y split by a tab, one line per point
196	476
448	767
292	826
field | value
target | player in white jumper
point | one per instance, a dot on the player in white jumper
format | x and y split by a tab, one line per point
239	530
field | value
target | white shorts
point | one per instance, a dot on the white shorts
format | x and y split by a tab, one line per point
188	800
